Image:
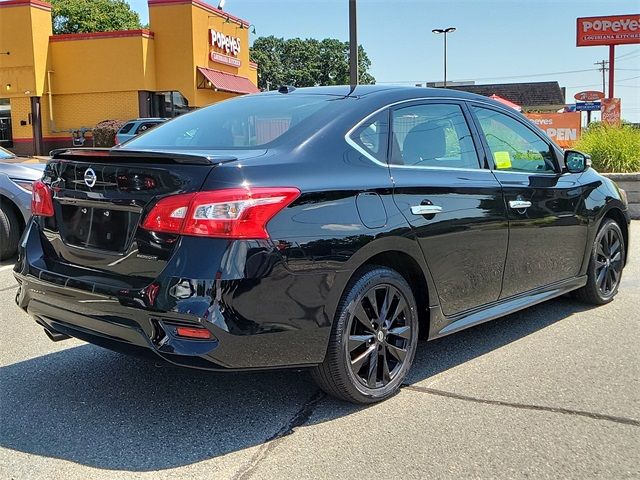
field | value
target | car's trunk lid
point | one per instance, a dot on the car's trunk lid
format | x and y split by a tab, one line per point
100	198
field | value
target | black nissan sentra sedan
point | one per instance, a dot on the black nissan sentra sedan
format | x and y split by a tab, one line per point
326	228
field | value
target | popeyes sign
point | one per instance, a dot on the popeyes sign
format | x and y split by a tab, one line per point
225	48
562	128
589	96
610	30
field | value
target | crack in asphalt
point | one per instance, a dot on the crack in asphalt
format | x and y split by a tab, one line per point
12	287
300	418
524	406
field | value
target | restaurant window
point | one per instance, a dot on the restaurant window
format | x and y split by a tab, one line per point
169	104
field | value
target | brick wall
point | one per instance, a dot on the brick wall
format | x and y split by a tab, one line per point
73	111
20	110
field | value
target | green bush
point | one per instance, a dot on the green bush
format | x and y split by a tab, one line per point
104	135
612	149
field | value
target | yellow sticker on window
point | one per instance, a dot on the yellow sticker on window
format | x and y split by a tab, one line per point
502	159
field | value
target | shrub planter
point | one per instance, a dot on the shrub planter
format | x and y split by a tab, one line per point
630	183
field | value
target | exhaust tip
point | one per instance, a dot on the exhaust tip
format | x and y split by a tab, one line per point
53	335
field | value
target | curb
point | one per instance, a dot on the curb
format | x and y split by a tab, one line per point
630	183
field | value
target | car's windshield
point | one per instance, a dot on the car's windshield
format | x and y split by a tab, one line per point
4	154
244	122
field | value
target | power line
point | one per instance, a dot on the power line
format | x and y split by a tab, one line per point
567	72
617	82
504	78
626	79
637	50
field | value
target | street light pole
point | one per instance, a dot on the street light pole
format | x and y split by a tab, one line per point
353	43
444	31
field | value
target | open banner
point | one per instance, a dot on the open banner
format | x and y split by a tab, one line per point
562	128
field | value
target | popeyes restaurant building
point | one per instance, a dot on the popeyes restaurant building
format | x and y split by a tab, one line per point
57	87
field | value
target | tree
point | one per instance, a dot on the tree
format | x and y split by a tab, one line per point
306	62
83	16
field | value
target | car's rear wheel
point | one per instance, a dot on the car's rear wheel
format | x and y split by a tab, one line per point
9	232
605	266
373	338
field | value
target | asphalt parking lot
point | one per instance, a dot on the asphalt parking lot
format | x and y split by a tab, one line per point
550	392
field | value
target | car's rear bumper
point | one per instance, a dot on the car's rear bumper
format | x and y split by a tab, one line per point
274	319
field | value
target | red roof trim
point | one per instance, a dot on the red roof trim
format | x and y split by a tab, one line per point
203	5
32	3
228	82
96	35
253	64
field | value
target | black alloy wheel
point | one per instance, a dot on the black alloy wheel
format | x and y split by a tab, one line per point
373	338
609	261
605	266
379	335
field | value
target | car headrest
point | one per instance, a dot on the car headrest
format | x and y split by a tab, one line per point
425	141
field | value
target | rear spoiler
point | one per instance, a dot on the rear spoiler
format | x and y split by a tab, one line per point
114	155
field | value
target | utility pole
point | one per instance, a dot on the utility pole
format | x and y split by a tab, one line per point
353	44
603	68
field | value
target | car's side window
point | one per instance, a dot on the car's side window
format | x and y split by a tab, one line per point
513	145
372	135
432	135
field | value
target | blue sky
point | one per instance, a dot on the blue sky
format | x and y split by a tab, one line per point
496	40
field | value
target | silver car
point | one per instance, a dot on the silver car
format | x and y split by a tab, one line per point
16	178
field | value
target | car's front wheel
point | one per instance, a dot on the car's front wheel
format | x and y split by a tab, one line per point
373	338
605	266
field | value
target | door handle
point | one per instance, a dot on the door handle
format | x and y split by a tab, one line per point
425	209
519	204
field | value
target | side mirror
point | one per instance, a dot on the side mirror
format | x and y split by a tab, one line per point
576	162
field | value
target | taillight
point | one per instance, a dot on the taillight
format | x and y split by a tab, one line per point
228	213
41	199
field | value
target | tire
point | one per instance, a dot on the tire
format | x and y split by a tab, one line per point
605	265
359	346
9	232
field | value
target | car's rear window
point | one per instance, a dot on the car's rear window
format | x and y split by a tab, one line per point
127	127
146	126
243	122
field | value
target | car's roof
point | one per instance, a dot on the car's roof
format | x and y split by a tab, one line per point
149	119
385	93
367	90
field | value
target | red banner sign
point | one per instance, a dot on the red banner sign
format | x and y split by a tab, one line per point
562	128
589	96
611	111
610	30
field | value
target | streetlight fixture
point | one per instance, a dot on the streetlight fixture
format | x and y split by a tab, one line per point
444	31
